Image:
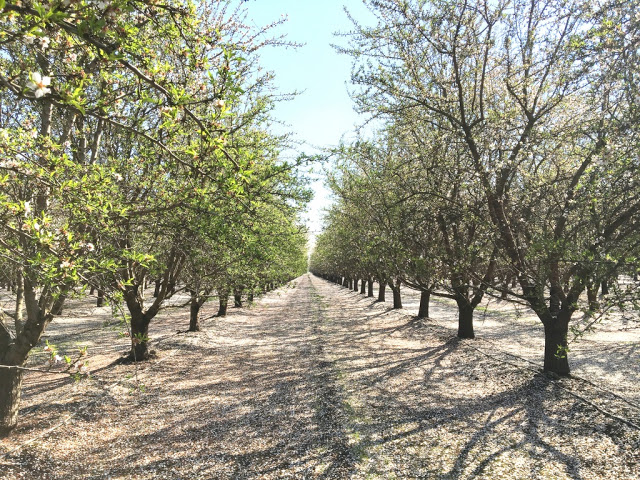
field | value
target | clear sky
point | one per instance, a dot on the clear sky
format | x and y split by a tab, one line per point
323	112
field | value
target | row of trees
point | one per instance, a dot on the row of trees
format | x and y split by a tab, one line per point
135	147
507	162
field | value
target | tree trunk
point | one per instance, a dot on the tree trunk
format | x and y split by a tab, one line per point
100	299
381	296
363	286
250	297
10	389
370	287
19	300
554	301
194	314
156	290
224	301
345	282
58	304
605	287
555	347
592	297
423	310
355	285
237	299
139	338
465	319
397	299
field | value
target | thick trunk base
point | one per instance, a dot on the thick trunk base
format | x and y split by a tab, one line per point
381	292
423	310
10	389
465	321
370	288
139	351
555	350
194	317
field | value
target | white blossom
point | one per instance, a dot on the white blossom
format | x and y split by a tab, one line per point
27	208
44	42
39	84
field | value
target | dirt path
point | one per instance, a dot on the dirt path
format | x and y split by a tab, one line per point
315	382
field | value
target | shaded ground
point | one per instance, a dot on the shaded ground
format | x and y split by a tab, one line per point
314	381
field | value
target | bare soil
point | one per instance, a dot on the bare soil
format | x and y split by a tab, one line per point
315	381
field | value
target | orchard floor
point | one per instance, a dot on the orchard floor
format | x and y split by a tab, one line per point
316	381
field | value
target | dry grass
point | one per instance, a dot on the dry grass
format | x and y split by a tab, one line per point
318	382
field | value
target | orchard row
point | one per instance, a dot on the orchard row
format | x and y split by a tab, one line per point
506	162
135	147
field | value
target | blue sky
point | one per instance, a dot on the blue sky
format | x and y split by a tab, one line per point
323	112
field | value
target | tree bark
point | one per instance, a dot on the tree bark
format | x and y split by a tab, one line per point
224	302
19	300
381	291
58	305
100	299
156	290
555	347
194	314
423	310
592	297
237	299
363	286
370	287
397	299
465	319
10	390
139	338
605	287
355	285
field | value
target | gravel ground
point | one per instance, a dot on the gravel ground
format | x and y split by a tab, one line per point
315	381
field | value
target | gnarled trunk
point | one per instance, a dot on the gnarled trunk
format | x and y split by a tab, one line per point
10	390
423	310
